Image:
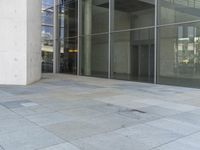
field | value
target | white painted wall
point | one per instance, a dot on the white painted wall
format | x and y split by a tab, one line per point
20	58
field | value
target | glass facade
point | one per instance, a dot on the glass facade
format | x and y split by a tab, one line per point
68	34
94	58
176	11
47	36
133	55
129	14
156	41
178	50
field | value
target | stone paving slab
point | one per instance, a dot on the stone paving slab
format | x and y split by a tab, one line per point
28	138
83	113
187	143
175	126
110	141
63	146
149	135
15	104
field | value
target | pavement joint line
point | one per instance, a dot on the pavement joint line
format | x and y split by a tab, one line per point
37	125
172	141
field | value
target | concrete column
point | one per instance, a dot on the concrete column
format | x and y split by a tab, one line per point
87	40
56	50
20	48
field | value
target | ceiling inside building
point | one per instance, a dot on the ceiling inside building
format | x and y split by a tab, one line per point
127	5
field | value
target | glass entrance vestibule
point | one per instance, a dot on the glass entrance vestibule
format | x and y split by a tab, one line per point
156	41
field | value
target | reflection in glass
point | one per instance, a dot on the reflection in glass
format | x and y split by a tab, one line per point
47	49
94	56
47	36
68	56
172	11
133	55
68	18
130	14
68	22
179	55
95	16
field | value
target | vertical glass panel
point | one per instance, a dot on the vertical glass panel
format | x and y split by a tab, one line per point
179	55
47	36
133	55
95	16
68	18
130	14
172	11
47	12
68	23
68	56
94	56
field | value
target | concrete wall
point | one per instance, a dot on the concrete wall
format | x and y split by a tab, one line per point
20	59
33	40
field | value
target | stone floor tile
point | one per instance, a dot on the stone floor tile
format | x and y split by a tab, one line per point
5	112
108	108
72	104
150	136
187	143
175	126
75	129
110	141
112	121
33	110
81	113
139	116
158	110
177	146
11	124
178	107
197	111
1	148
98	114
48	118
28	138
91	126
15	104
124	101
63	146
188	117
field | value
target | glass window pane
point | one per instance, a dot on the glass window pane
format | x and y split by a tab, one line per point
47	36
133	55
94	56
68	56
68	18
179	54
95	17
47	49
47	12
130	14
172	11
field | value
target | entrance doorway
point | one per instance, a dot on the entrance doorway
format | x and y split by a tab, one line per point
142	62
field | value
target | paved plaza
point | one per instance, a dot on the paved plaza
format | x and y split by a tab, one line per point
63	112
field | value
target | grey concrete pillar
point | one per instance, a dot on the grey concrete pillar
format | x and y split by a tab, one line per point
56	40
87	40
20	41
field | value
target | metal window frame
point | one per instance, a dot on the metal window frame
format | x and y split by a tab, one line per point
155	41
